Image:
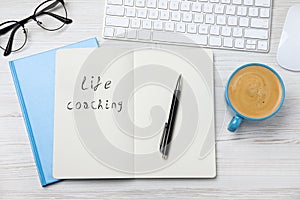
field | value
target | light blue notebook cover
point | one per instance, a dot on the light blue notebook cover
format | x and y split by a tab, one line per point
34	79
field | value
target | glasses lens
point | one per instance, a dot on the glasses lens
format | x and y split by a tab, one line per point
20	35
50	14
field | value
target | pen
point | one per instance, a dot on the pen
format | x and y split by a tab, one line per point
167	135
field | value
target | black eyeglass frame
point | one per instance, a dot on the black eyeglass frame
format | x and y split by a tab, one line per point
14	27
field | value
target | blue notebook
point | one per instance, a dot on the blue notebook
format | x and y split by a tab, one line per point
34	79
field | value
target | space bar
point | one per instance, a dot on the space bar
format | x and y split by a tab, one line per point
179	38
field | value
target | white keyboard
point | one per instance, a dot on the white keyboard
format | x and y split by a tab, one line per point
226	24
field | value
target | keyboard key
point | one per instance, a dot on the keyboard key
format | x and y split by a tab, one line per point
109	32
144	35
242	11
170	26
203	29
259	23
176	16
263	3
198	17
140	3
253	12
129	3
117	21
244	21
252	42
264	12
174	5
147	24
158	26
163	4
228	42
170	37
153	14
151	3
219	9
232	20
142	13
262	45
225	1
115	10
237	2
248	2
208	8
132	34
179	38
239	43
210	19
215	41
201	39
196	7
114	2
250	46
215	30
256	33
230	10
221	20
130	12
185	6
164	15
226	31
120	32
237	32
135	23
192	28
187	17
180	27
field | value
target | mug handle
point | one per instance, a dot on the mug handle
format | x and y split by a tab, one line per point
235	123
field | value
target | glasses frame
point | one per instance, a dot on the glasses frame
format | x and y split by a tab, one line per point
18	24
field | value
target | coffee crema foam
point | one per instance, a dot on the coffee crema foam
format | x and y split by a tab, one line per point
255	92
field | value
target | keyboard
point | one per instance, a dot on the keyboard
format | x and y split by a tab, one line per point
225	24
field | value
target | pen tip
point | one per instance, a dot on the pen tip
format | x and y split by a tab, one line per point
179	83
165	157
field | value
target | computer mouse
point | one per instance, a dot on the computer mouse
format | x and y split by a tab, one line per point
288	55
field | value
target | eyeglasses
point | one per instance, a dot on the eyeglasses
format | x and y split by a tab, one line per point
50	15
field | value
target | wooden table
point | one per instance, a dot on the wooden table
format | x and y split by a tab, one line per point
261	161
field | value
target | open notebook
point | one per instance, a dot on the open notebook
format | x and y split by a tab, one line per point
111	105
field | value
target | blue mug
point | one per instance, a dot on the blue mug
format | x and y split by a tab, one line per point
238	118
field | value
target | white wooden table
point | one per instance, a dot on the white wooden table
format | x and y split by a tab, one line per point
261	161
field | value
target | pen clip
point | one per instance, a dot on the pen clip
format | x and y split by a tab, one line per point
163	139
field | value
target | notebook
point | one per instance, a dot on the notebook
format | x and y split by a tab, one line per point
111	105
34	78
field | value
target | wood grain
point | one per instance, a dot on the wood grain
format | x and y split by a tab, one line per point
261	161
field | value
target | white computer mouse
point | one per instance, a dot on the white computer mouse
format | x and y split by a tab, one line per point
288	55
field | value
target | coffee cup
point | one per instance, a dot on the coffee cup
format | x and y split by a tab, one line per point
254	92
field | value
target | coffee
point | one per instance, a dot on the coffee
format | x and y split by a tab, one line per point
255	92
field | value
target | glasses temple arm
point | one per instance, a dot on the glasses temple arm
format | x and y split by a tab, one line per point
48	7
9	45
58	17
7	29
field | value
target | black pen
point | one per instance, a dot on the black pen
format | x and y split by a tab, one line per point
167	135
